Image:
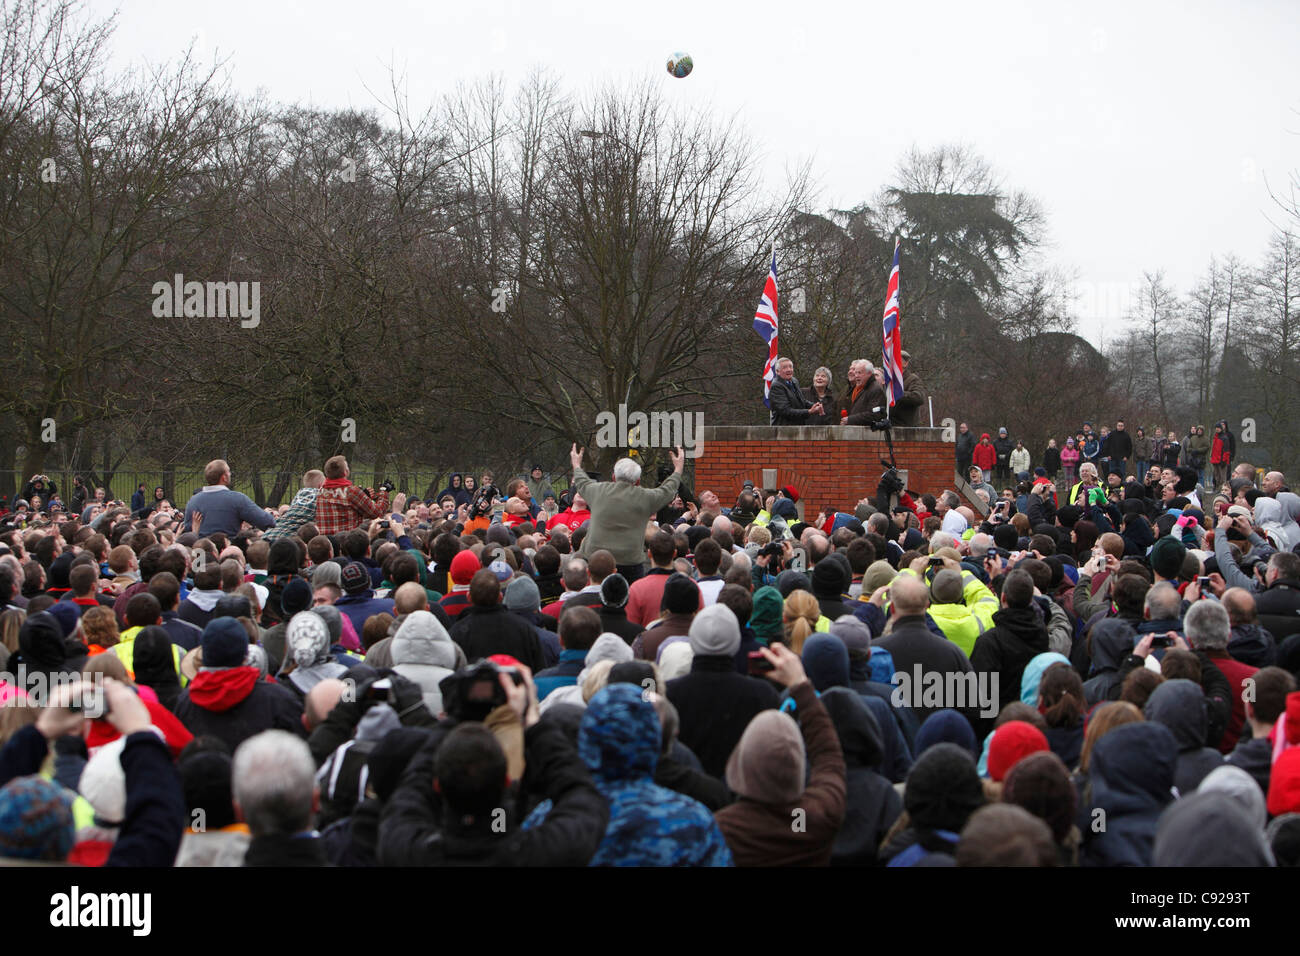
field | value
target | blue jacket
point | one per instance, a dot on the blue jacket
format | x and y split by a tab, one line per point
619	739
563	674
1130	780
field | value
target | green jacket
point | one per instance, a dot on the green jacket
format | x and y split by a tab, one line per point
619	513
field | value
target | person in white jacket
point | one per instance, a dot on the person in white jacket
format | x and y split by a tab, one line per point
1020	460
423	652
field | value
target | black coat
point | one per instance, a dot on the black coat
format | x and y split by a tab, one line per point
410	833
613	620
1018	636
1003	447
912	643
1052	461
484	631
787	403
871	802
715	705
1119	445
965	452
279	849
267	707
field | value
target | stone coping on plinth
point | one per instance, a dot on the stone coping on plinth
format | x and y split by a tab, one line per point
814	433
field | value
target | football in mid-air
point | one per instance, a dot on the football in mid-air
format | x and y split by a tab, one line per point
680	65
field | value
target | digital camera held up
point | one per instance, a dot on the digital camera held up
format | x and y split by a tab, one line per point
473	692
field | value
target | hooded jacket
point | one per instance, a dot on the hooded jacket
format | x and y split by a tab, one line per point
826	662
1180	706
1253	645
234	704
767	771
1131	779
1112	641
871	802
619	740
422	651
1210	829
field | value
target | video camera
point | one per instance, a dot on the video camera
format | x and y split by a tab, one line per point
473	692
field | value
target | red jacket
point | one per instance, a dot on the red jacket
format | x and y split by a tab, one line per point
985	456
342	506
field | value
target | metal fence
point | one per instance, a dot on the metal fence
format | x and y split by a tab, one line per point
267	488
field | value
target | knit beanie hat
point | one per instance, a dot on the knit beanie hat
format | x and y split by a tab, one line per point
715	632
877	575
765	621
522	594
225	643
66	613
295	597
463	567
1167	557
1011	742
681	595
855	635
331	572
768	762
614	590
333	619
35	820
790	581
355	578
307	639
943	789
946	727
828	579
675	660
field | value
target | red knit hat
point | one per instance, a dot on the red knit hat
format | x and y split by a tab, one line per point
464	566
1284	784
792	493
1012	742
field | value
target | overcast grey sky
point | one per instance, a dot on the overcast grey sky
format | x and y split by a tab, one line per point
1146	129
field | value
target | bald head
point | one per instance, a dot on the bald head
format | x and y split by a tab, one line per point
321	699
410	597
908	595
1240	605
1273	482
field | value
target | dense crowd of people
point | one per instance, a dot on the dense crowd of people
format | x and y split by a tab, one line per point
1098	669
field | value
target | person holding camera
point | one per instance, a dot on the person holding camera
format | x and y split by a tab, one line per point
342	506
39	485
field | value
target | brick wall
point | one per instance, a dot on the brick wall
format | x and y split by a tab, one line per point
829	466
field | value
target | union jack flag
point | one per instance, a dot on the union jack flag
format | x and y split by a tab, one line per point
765	324
893	338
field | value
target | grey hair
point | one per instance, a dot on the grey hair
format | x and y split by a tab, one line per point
781	360
980	544
1206	626
823	370
863	362
941	539
273	779
951	500
1164	602
625	469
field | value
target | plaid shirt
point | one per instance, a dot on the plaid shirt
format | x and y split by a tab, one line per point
301	510
344	507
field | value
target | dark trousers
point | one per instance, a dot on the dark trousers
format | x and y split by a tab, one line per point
632	572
